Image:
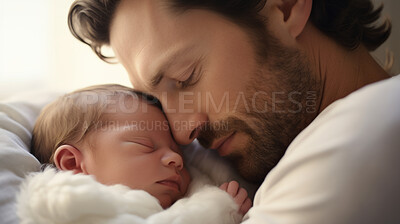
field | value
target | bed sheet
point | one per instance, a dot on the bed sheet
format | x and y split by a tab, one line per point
17	117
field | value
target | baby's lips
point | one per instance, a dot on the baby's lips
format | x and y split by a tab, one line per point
173	181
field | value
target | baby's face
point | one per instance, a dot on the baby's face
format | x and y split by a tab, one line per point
137	150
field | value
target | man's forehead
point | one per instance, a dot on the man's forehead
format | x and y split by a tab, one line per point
131	22
146	38
130	32
152	63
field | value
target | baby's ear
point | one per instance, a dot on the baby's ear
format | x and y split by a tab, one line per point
67	157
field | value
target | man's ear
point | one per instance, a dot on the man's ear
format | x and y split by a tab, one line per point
289	15
67	157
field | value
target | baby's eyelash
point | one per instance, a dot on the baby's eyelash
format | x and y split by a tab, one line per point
144	144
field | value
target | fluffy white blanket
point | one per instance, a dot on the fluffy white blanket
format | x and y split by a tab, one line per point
62	197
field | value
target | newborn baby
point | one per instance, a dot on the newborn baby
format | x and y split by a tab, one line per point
119	137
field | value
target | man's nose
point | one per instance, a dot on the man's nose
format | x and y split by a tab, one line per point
185	117
172	158
186	127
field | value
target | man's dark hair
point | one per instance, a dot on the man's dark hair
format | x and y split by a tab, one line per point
349	22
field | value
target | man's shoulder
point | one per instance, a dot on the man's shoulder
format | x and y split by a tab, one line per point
343	167
370	114
377	101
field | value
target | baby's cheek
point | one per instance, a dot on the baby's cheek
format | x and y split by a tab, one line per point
186	178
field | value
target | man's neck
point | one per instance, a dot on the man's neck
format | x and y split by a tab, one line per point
340	71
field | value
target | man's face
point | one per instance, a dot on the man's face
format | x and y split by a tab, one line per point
212	86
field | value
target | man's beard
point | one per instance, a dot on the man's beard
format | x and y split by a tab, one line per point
270	132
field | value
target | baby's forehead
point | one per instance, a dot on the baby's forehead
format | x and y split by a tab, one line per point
131	103
121	100
138	116
113	96
105	105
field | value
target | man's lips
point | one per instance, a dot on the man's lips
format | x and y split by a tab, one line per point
172	182
220	144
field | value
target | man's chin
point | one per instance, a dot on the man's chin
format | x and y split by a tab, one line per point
247	168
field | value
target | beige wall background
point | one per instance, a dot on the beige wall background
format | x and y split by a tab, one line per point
38	52
391	10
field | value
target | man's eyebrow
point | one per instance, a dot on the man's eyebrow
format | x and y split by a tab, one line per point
156	79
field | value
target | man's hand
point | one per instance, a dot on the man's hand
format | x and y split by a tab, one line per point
239	195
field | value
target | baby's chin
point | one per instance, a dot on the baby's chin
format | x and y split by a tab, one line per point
166	200
168	197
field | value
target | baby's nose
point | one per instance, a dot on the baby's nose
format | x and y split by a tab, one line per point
172	158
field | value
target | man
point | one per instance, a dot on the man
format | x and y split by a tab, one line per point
260	81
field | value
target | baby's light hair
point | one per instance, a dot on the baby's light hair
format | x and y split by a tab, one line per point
70	118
